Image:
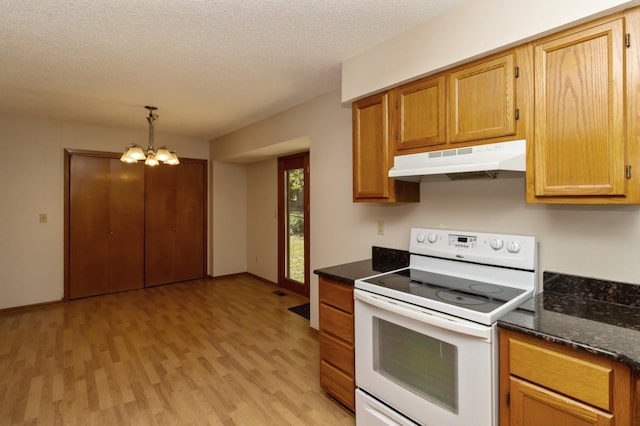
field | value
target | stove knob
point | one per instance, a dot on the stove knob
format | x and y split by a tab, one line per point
513	247
432	238
420	238
496	244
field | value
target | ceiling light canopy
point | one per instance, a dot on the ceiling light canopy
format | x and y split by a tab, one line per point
134	153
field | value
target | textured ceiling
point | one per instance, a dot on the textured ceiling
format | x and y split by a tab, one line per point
209	66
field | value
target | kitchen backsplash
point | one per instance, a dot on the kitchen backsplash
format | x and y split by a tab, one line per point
386	259
610	302
591	288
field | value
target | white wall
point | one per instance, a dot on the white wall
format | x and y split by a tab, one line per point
470	30
32	180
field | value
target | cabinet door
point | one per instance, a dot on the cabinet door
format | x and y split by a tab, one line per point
579	113
371	154
420	113
532	405
482	99
174	223
106	226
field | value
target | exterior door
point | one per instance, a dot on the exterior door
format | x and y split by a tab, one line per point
175	213
105	225
293	223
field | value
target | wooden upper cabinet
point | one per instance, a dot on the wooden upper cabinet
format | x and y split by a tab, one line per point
488	100
580	149
482	100
373	155
420	113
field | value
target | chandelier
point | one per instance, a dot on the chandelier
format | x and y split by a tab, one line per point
134	153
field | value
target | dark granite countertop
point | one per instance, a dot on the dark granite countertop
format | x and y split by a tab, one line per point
382	260
596	316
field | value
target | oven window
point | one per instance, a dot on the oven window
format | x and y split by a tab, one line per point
419	363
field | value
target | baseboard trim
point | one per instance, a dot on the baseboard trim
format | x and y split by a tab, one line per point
28	307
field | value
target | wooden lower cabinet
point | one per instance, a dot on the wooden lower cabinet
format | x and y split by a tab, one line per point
337	357
543	383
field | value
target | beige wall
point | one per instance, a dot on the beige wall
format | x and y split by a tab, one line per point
31	253
229	206
262	219
596	241
469	30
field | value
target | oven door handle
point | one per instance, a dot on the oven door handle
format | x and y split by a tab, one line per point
425	316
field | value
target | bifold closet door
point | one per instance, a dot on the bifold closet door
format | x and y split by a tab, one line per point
106	232
174	223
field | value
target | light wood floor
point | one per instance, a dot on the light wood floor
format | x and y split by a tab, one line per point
221	352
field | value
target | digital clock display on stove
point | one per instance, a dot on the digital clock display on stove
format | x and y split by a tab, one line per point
462	241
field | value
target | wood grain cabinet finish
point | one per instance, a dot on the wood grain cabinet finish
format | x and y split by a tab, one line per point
373	155
419	119
542	383
485	101
482	100
586	101
337	357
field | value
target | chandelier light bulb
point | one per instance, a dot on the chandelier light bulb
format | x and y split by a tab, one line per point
134	153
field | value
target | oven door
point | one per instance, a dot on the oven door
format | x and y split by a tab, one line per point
431	367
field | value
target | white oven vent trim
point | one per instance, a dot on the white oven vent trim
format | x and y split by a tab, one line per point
467	162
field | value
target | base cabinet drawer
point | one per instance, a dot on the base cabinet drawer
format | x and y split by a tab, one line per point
336	294
336	322
338	384
582	380
337	353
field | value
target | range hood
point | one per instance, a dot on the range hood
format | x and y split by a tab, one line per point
471	162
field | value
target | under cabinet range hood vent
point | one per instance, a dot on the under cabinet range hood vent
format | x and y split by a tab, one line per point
471	162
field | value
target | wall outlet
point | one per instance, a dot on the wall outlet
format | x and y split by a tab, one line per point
43	217
381	227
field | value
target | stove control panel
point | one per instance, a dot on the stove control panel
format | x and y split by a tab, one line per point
516	251
461	241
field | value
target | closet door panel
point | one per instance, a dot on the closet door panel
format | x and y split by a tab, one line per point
106	213
190	222
126	217
160	219
175	202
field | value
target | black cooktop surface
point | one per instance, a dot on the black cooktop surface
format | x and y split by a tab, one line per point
470	294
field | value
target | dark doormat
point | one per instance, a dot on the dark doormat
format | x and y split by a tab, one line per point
302	310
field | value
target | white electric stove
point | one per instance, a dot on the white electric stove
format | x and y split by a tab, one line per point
426	336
